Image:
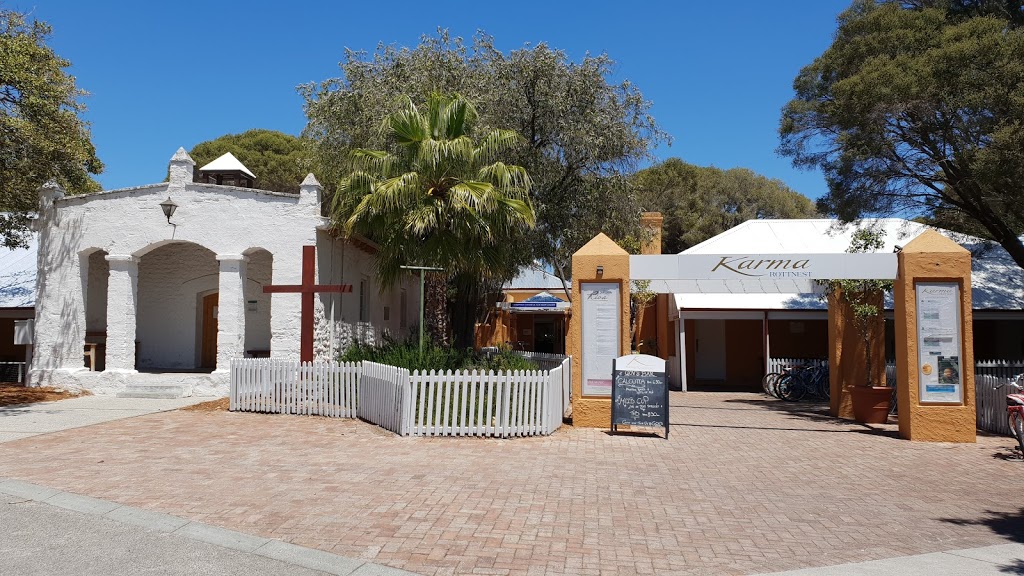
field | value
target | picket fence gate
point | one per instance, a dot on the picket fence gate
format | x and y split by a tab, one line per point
459	403
286	387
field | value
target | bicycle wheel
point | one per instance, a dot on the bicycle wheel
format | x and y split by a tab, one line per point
1017	430
792	388
770	383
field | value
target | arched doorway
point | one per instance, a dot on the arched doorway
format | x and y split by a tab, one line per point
177	308
96	271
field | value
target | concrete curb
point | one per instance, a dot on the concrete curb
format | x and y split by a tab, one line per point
160	522
996	560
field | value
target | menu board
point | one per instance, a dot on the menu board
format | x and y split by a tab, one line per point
938	343
601	319
639	392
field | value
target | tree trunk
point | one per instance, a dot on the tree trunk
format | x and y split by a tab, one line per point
436	308
464	309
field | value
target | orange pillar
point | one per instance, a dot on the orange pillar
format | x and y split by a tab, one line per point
600	261
932	261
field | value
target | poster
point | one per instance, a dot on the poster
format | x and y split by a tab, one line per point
938	343
600	327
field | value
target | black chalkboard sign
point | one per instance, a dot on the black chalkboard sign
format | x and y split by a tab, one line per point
639	392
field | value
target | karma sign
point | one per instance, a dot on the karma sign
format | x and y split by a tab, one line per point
763	266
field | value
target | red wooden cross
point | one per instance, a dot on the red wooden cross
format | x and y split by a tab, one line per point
307	289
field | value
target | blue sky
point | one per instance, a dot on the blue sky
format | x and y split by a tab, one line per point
169	74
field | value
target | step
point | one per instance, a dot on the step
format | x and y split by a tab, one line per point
156	391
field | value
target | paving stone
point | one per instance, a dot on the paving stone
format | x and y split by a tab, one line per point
743	485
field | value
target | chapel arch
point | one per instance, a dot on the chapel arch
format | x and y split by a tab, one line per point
176	319
95	274
259	273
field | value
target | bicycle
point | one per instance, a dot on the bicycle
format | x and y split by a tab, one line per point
1015	410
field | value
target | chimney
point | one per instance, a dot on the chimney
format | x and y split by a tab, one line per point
652	221
310	191
181	168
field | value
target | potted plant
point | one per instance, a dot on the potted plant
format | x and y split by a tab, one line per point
865	300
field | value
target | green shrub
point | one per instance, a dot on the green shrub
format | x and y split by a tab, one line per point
407	355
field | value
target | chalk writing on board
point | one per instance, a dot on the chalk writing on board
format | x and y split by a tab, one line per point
639	398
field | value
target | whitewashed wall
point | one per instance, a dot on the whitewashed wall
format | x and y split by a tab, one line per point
129	223
341	262
257	324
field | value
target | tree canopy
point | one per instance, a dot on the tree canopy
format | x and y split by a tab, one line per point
280	161
699	202
580	132
439	198
917	109
42	136
436	197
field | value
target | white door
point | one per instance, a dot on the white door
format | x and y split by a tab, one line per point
710	344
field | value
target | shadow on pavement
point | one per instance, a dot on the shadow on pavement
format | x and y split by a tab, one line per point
1009	524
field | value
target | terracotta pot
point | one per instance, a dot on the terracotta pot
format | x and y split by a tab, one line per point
871	404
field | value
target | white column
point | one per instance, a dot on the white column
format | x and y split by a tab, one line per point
681	348
231	309
122	304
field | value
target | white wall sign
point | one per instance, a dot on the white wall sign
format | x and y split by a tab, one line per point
938	343
756	273
601	339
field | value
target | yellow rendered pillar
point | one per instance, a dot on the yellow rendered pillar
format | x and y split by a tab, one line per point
928	259
600	261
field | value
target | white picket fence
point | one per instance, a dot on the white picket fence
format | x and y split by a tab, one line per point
472	403
383	393
285	387
459	403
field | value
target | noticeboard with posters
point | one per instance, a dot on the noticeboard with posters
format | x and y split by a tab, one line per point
939	348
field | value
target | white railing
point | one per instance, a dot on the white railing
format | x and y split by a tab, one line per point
12	372
777	365
383	392
990	404
286	387
460	403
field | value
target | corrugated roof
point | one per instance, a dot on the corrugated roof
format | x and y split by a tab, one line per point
18	276
533	278
227	163
997	283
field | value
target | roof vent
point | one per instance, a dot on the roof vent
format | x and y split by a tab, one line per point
228	171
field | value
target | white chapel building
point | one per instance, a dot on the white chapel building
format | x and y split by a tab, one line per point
129	297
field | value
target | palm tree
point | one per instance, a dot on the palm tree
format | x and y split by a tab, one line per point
438	198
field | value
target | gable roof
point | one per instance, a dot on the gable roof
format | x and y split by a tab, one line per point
227	163
997	283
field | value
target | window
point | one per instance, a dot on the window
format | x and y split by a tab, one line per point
364	300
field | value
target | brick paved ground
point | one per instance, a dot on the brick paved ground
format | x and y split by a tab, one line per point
743	485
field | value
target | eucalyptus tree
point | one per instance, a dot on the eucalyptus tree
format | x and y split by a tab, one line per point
699	202
42	136
435	197
582	132
917	109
